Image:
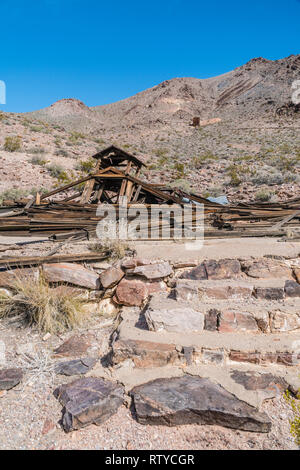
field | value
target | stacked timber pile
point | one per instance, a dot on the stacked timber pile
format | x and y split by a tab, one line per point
73	207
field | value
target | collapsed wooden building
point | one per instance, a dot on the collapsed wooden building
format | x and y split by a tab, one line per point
72	208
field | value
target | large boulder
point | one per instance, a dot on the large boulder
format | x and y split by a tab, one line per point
194	400
89	400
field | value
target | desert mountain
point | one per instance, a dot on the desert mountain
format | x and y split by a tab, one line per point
247	146
254	90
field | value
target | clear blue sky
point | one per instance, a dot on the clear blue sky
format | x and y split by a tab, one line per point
103	51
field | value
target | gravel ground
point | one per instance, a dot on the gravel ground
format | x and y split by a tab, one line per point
30	415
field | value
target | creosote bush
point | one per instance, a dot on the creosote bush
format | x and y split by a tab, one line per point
52	310
12	144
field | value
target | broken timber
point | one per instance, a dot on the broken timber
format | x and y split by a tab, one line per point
73	207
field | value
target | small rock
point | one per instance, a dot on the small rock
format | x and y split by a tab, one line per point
107	307
46	336
48	426
131	293
297	274
186	292
72	273
256	381
292	289
194	400
212	269
267	269
102	265
211	319
9	378
132	263
213	356
153	271
281	321
269	293
74	346
230	321
223	269
183	264
110	277
88	400
167	314
145	353
75	367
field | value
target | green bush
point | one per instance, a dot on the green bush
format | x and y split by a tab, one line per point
263	196
86	166
38	161
56	171
295	422
12	144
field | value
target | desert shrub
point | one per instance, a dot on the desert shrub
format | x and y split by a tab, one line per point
114	249
38	161
12	144
234	176
215	191
36	303
181	184
16	194
263	196
179	167
267	175
200	160
35	150
99	141
36	128
62	153
13	195
295	422
2	116
160	152
75	136
85	165
55	170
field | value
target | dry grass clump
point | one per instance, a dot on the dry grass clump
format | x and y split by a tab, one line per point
36	303
12	144
114	249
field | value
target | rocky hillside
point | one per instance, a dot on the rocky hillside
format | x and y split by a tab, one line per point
247	146
254	90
